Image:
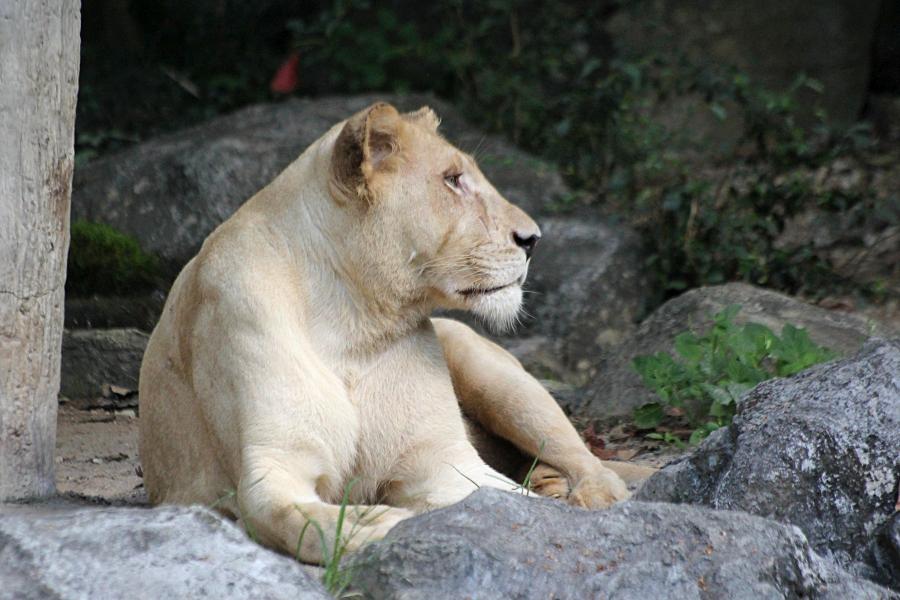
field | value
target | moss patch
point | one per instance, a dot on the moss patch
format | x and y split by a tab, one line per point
105	261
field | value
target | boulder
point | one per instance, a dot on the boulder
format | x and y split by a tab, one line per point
498	544
588	287
170	192
539	355
617	390
819	450
65	552
887	550
94	357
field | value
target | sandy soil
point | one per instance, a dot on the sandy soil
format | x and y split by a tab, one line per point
97	455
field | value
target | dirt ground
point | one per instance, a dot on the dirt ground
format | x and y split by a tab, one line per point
97	454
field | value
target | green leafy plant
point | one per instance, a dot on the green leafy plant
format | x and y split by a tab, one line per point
103	260
703	383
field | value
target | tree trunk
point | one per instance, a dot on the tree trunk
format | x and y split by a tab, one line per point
39	45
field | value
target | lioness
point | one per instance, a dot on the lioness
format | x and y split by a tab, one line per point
295	352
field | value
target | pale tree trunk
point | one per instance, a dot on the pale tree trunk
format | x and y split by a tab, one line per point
39	45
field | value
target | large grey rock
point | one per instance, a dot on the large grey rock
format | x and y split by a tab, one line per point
820	450
171	192
887	549
501	545
93	357
617	390
589	287
67	553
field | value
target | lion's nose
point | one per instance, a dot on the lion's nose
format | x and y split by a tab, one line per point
526	242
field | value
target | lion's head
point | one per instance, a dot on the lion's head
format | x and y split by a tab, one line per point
428	219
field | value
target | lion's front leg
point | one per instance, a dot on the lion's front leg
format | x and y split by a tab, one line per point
497	393
442	472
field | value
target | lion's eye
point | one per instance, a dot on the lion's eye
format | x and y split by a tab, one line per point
453	180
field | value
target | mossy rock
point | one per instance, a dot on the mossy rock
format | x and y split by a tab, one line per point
104	261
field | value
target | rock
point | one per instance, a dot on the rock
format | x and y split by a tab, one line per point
104	312
94	357
497	544
887	550
589	287
170	192
64	553
617	390
539	356
819	450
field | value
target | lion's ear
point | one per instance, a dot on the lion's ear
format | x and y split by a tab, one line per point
424	117
368	144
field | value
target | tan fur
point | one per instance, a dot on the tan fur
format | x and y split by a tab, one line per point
295	353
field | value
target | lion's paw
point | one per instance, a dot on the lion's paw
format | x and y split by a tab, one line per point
372	524
548	481
601	490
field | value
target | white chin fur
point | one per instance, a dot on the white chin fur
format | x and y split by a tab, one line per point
499	310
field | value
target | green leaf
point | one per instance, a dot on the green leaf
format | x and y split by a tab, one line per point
727	315
718	394
688	346
795	351
697	436
668	438
717	409
737	390
648	416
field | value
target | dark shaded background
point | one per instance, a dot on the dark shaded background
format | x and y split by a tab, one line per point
713	127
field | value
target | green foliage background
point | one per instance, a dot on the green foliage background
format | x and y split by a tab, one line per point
546	75
536	71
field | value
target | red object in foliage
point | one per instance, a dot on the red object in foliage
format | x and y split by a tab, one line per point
286	78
